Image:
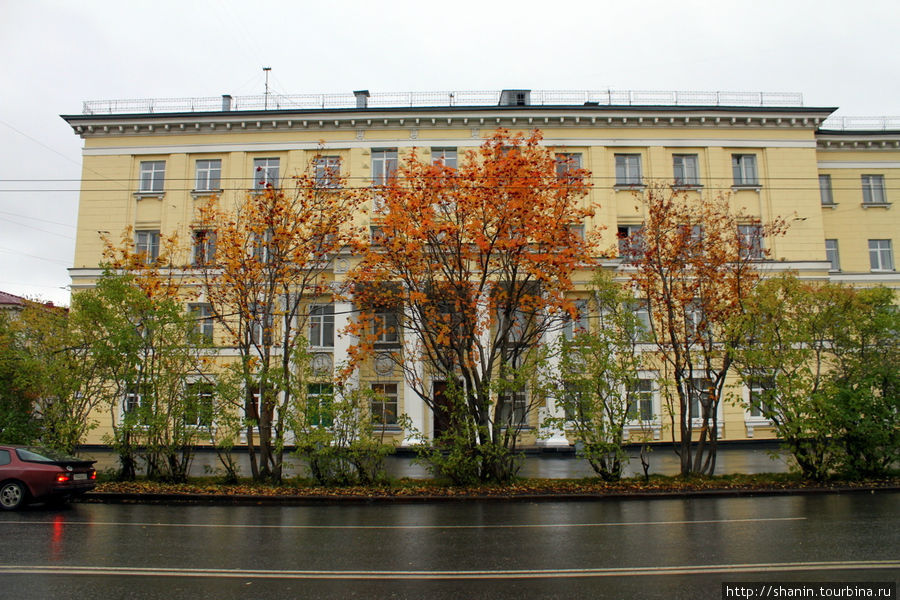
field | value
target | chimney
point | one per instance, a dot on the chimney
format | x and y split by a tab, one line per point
226	102
515	98
362	98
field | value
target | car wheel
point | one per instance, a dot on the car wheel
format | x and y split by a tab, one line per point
12	495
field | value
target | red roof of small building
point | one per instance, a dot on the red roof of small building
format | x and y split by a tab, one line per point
10	299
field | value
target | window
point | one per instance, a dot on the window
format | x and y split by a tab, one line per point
881	258
377	235
513	409
519	326
203	318
640	400
319	404
385	328
146	243
577	231
328	172
384	403
644	328
832	255
153	176
203	249
743	166
321	325
576	401
686	169
260	326
567	165
5	457
751	241
265	172
700	392
630	242
384	165
759	388
444	156
579	324
199	409
825	193
136	402
262	246
628	169
873	189
209	175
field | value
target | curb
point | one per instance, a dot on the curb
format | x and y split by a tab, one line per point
325	499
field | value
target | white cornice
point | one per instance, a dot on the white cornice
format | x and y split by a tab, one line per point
171	124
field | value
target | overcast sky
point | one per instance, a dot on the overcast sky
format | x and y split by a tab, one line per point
55	54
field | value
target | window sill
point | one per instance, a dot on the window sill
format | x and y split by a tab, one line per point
831	205
142	195
868	205
205	193
387	428
739	187
687	187
629	187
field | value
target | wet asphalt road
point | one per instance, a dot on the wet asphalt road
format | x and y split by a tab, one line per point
672	548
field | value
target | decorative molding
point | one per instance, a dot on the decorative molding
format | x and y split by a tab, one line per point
438	141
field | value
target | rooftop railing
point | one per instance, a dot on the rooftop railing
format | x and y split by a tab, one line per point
441	99
861	123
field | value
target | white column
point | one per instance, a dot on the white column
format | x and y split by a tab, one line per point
414	378
343	313
552	437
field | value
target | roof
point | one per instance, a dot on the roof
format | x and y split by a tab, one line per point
8	300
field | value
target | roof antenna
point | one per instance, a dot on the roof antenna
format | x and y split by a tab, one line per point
266	101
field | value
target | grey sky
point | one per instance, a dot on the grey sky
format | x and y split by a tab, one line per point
54	54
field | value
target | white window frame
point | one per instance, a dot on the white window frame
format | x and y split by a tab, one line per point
628	170
580	324
745	170
383	397
386	327
385	162
686	170
833	254
650	395
751	241
328	172
265	172
321	393
146	242
627	238
566	163
153	177
208	393
515	406
826	192
447	157
321	325
881	255
203	247
208	176
873	189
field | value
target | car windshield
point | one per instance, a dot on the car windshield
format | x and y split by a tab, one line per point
35	454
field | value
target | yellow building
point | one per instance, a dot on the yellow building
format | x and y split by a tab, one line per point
148	164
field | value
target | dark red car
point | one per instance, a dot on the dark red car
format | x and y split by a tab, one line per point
31	474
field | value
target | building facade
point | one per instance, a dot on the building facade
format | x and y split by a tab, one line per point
149	164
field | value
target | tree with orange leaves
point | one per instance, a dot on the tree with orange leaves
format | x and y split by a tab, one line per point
472	265
695	262
273	255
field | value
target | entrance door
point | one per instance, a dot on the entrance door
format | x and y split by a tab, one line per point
442	408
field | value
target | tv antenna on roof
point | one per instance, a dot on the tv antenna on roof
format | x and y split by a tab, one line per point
266	98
